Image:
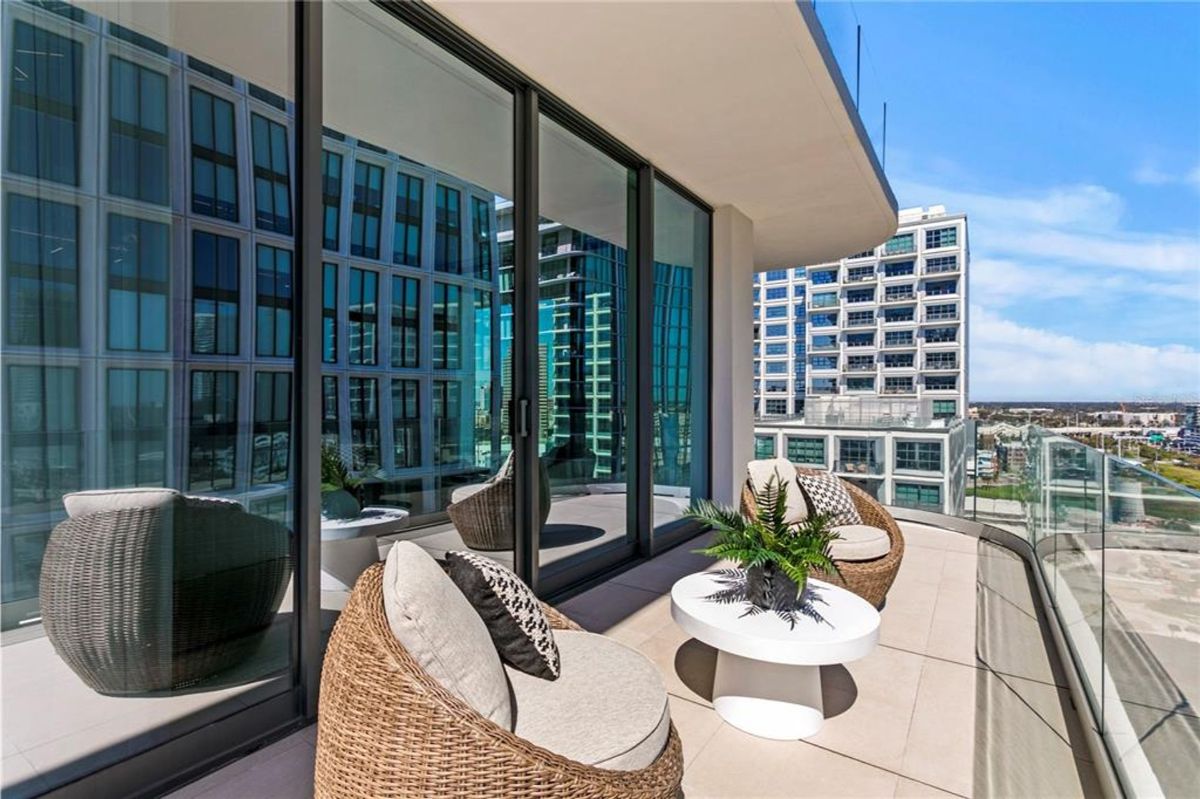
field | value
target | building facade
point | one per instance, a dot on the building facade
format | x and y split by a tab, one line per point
921	464
890	321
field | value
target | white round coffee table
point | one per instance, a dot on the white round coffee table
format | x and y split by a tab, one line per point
768	679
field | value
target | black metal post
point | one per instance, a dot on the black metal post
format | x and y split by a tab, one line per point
307	333
525	413
857	64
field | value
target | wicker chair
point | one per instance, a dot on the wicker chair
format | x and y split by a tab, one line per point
147	600
870	579
387	729
483	513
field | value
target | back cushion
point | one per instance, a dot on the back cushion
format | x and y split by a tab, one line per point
432	619
762	472
83	503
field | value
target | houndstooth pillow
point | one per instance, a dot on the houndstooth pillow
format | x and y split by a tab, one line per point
828	496
510	611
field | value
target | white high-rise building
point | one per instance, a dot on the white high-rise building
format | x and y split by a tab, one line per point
891	321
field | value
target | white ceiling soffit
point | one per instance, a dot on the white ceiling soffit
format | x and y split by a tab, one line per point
253	40
735	100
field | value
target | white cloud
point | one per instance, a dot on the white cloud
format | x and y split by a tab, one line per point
1151	174
1010	361
998	282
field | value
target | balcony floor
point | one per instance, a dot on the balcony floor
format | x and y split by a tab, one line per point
962	697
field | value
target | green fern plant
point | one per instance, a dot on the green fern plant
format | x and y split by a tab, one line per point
766	542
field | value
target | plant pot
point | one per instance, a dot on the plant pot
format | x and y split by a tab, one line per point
768	588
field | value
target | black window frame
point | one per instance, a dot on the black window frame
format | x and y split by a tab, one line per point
140	428
331	199
367	206
274	294
211	436
276	426
362	318
44	161
447	229
43	275
406	423
406	323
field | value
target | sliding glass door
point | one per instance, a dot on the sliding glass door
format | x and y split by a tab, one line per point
584	296
147	366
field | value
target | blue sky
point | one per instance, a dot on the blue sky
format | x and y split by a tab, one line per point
1070	135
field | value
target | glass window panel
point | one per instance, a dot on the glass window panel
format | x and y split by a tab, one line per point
679	348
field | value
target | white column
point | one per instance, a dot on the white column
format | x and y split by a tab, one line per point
732	344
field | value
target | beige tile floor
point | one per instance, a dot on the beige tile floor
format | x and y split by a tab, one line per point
961	697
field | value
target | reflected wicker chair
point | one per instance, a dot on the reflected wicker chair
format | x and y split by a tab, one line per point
387	729
483	513
148	600
870	579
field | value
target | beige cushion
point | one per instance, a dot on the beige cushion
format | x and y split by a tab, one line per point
467	491
84	503
432	619
760	474
860	542
608	708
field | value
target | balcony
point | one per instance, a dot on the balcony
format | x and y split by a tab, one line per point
825	347
941	269
941	366
941	316
901	296
860	277
815	303
823	366
823	389
899	345
910	389
860	322
858	467
962	695
860	367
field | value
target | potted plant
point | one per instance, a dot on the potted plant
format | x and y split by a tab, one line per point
772	552
339	487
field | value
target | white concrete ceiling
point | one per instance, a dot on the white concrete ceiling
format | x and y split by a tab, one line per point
735	100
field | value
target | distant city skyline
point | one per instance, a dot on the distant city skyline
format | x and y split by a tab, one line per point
1085	205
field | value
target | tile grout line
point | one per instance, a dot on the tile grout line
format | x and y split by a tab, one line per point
881	768
977	666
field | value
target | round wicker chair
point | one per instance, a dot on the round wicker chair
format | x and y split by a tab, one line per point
483	513
387	729
870	579
165	599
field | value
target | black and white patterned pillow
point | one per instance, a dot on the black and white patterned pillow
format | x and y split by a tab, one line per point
827	495
511	612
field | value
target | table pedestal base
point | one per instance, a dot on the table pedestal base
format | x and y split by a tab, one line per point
770	700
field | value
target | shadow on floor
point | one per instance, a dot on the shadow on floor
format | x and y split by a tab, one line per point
565	535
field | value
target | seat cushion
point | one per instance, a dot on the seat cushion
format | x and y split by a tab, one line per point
860	542
607	709
760	474
436	624
83	503
467	491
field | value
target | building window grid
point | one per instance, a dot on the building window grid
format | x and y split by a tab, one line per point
941	360
406	235
272	180
45	105
138	283
138	165
213	430
481	212
447	404
941	237
921	456
331	199
329	315
447	249
914	495
214	156
42	272
764	447
362	311
406	423
271	447
364	423
216	276
806	451
137	427
44	441
331	433
367	210
273	312
899	244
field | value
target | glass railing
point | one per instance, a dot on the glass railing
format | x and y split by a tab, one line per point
1119	547
858	66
